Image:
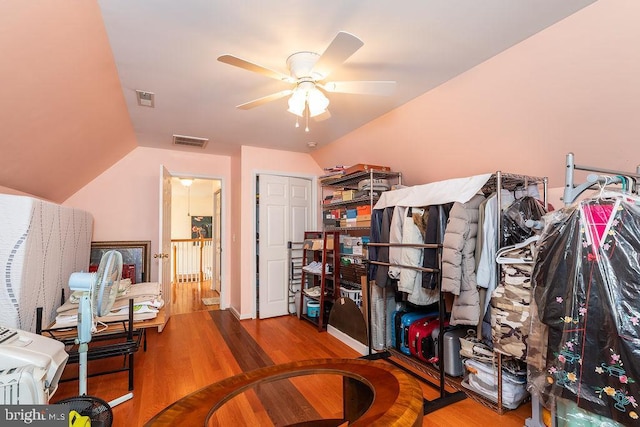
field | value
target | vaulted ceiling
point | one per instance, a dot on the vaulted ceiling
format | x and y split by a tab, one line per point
71	70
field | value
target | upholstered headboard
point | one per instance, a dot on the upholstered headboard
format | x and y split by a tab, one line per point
41	244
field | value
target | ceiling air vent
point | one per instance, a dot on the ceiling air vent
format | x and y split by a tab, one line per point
189	141
146	99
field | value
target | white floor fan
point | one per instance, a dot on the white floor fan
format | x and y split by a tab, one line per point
99	292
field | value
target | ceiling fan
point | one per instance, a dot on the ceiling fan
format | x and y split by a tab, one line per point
307	73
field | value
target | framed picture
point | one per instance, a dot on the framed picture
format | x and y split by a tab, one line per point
135	253
201	227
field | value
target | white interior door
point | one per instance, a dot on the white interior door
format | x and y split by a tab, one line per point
164	241
284	214
300	203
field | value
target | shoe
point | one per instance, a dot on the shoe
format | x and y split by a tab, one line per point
311	267
313	291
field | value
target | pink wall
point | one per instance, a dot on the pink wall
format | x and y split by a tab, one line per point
124	200
253	161
571	88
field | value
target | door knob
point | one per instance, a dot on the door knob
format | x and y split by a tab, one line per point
161	255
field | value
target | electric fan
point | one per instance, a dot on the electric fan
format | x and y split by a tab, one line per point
99	292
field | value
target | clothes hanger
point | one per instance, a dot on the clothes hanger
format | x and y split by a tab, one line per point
502	255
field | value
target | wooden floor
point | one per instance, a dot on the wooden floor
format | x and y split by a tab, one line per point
201	347
186	297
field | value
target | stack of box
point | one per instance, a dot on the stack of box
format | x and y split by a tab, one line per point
350	245
363	216
358	217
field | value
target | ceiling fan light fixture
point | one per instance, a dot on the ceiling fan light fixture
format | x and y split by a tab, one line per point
297	102
317	102
307	95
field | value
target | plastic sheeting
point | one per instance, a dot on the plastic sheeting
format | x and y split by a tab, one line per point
586	286
514	218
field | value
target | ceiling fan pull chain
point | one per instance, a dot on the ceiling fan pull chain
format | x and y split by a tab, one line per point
306	116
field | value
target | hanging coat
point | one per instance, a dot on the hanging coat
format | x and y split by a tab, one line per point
459	264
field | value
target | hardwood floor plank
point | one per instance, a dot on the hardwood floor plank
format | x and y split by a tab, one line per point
192	352
250	356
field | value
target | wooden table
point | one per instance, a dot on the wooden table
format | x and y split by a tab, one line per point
374	394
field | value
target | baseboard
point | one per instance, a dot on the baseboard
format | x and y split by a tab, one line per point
238	315
351	342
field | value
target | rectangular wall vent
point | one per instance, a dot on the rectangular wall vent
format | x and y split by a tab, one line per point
189	141
145	99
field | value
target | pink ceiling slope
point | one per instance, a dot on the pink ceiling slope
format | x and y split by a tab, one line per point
62	112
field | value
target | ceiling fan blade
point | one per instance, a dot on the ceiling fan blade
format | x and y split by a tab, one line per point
264	99
382	88
342	47
250	66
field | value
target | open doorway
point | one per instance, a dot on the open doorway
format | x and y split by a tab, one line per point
195	244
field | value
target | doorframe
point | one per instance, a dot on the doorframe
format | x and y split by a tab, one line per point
224	285
254	192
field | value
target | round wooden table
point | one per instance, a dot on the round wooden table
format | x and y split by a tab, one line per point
375	394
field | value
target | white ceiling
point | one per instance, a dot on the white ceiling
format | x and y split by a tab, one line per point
170	48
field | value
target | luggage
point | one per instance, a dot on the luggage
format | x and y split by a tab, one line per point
421	343
406	321
361	167
396	325
452	360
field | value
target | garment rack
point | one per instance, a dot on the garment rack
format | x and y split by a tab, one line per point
446	398
572	191
495	182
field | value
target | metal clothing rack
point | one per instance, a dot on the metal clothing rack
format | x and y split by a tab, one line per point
572	191
497	183
446	397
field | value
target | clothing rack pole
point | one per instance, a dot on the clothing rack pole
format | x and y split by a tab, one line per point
497	267
572	191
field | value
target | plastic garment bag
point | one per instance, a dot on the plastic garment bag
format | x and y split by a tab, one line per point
586	286
514	229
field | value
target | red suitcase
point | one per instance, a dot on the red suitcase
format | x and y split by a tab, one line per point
419	337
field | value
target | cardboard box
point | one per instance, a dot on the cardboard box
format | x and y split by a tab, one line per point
348	195
316	244
352	213
364	210
361	167
363	217
331	222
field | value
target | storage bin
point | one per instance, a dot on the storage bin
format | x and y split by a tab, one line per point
313	309
354	294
